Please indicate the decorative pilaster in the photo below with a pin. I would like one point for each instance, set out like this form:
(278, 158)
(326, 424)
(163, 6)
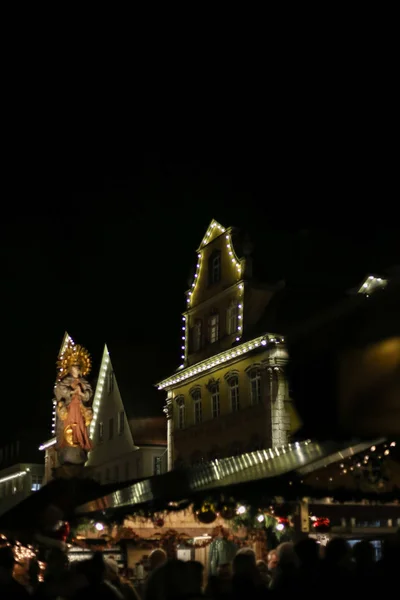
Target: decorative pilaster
(168, 411)
(280, 420)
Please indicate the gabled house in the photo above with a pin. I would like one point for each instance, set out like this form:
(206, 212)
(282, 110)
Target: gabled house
(230, 394)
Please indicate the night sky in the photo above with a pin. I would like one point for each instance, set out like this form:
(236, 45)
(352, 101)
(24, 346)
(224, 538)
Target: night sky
(107, 253)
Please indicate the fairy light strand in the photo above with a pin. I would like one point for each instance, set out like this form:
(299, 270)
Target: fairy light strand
(99, 389)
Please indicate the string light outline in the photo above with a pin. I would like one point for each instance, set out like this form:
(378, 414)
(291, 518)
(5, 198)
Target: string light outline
(217, 359)
(371, 284)
(236, 262)
(99, 389)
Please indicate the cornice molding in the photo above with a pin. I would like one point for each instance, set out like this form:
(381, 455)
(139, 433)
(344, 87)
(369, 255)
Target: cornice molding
(225, 358)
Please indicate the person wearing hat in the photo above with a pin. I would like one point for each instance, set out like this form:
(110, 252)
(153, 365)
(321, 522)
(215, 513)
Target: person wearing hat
(113, 576)
(9, 588)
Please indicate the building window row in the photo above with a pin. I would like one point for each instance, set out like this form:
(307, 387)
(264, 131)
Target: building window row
(234, 396)
(120, 427)
(213, 327)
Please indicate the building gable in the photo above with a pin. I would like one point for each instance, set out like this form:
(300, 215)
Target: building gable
(215, 298)
(109, 430)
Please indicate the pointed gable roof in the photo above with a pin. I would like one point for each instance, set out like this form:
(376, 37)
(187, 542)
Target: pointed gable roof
(99, 388)
(213, 230)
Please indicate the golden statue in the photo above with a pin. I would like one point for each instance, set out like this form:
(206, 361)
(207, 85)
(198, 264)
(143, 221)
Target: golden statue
(73, 394)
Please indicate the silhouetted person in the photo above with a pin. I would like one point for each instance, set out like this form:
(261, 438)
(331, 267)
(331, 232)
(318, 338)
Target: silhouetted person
(307, 552)
(336, 567)
(285, 579)
(246, 580)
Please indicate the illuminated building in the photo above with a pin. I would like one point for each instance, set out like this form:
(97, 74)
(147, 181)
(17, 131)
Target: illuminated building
(230, 394)
(21, 472)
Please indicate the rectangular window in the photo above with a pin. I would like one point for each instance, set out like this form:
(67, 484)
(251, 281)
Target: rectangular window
(116, 473)
(157, 465)
(234, 392)
(111, 382)
(255, 386)
(232, 319)
(100, 432)
(196, 336)
(121, 422)
(111, 429)
(198, 411)
(214, 268)
(213, 328)
(36, 483)
(215, 401)
(181, 416)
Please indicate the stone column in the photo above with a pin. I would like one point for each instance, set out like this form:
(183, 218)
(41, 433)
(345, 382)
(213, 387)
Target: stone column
(280, 420)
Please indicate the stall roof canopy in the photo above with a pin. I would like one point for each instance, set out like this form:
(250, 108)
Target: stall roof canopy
(268, 466)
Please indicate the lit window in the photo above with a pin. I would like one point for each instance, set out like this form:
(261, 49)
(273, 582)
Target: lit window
(181, 412)
(234, 393)
(157, 465)
(121, 422)
(213, 328)
(255, 386)
(232, 319)
(111, 429)
(198, 412)
(215, 401)
(214, 268)
(36, 483)
(196, 333)
(100, 432)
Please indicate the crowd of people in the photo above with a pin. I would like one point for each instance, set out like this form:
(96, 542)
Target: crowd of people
(305, 567)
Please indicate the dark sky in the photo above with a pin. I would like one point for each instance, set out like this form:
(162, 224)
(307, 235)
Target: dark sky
(105, 251)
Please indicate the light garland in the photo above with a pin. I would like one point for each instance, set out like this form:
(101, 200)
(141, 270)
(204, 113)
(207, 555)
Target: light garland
(218, 359)
(214, 226)
(185, 339)
(14, 476)
(48, 444)
(99, 389)
(232, 254)
(240, 312)
(371, 284)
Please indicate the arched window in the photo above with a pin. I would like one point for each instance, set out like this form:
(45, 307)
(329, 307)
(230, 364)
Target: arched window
(232, 318)
(233, 383)
(197, 407)
(213, 327)
(214, 267)
(215, 400)
(180, 401)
